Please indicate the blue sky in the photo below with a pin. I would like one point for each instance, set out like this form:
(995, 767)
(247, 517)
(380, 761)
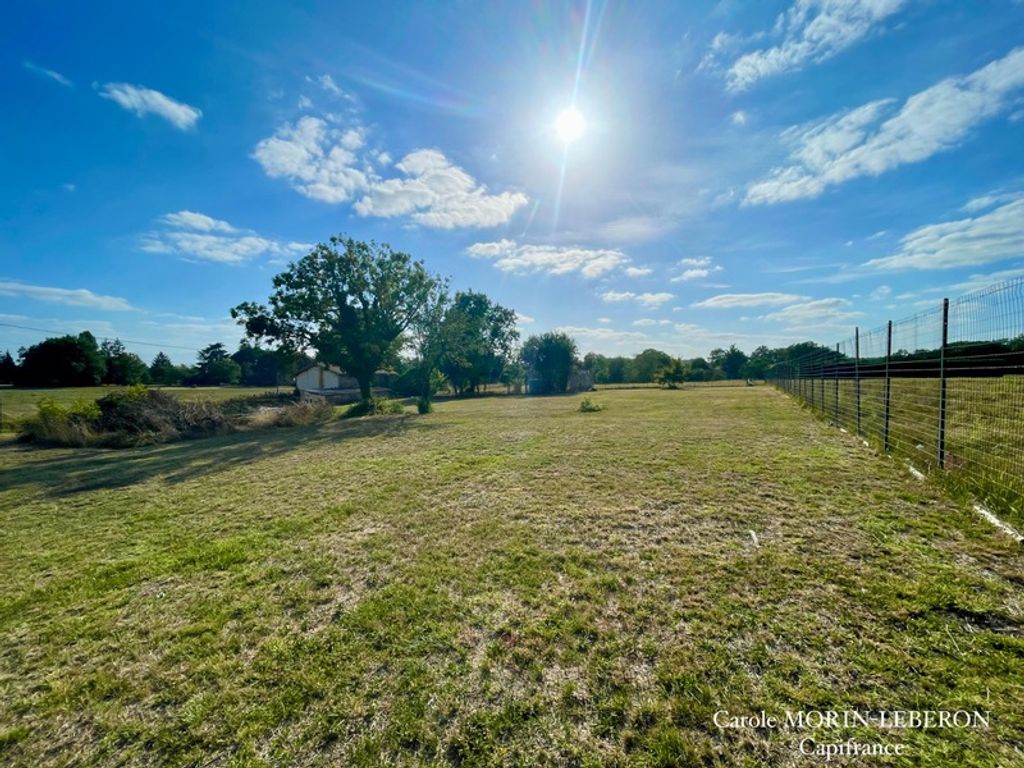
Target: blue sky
(749, 172)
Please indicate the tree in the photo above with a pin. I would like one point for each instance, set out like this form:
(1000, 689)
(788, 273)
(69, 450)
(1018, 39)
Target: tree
(649, 362)
(259, 367)
(598, 366)
(163, 371)
(349, 301)
(550, 359)
(122, 367)
(215, 367)
(479, 337)
(672, 375)
(8, 369)
(732, 362)
(64, 361)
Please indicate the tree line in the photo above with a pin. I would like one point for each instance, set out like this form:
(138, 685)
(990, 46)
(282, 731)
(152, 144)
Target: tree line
(80, 361)
(364, 307)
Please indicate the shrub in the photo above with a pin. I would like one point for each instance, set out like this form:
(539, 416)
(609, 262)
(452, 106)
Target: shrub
(589, 406)
(375, 406)
(300, 414)
(55, 424)
(423, 405)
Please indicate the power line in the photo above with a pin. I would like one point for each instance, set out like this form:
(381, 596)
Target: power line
(104, 338)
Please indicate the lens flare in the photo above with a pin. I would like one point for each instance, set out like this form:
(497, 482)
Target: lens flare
(570, 125)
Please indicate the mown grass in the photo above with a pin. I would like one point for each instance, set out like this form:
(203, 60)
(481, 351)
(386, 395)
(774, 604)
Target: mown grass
(17, 403)
(505, 581)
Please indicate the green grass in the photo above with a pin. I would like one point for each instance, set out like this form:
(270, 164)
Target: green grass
(19, 403)
(505, 581)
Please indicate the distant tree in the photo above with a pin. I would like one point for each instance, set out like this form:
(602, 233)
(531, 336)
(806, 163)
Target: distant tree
(478, 339)
(8, 369)
(550, 358)
(260, 367)
(64, 361)
(699, 370)
(733, 362)
(427, 335)
(163, 371)
(759, 363)
(512, 376)
(122, 367)
(349, 301)
(649, 362)
(619, 370)
(598, 367)
(672, 375)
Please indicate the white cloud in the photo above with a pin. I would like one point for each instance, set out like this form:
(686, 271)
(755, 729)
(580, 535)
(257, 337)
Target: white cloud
(197, 221)
(305, 102)
(815, 314)
(604, 337)
(328, 84)
(198, 236)
(647, 321)
(310, 155)
(74, 297)
(554, 260)
(739, 117)
(983, 202)
(696, 268)
(880, 293)
(634, 229)
(974, 282)
(994, 236)
(323, 163)
(142, 101)
(604, 319)
(637, 271)
(523, 319)
(870, 140)
(438, 194)
(812, 31)
(730, 300)
(57, 77)
(68, 187)
(650, 300)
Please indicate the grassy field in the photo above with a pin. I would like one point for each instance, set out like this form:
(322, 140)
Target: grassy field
(506, 581)
(19, 403)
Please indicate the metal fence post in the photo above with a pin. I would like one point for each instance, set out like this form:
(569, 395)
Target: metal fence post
(942, 384)
(888, 387)
(856, 371)
(835, 369)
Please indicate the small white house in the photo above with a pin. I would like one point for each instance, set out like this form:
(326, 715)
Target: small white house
(320, 378)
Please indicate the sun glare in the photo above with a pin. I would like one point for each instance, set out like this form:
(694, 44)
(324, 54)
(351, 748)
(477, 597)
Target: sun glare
(570, 125)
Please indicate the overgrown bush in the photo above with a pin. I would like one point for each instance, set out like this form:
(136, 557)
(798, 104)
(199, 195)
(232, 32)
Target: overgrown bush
(155, 415)
(293, 414)
(589, 406)
(423, 405)
(375, 406)
(55, 424)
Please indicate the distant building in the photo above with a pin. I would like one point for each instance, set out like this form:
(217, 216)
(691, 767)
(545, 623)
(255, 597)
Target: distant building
(320, 379)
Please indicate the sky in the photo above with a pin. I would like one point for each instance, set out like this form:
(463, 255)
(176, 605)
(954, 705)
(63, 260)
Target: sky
(748, 173)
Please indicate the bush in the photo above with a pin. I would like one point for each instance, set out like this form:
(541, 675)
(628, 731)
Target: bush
(375, 406)
(298, 414)
(589, 406)
(423, 405)
(55, 424)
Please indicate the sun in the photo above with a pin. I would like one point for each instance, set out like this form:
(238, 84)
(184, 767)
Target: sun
(570, 125)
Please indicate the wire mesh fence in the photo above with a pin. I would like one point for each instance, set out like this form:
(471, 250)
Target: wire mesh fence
(943, 389)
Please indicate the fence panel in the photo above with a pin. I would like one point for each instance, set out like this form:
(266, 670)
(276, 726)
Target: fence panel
(944, 389)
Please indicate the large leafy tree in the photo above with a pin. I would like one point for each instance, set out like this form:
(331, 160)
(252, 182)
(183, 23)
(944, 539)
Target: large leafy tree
(550, 359)
(349, 301)
(8, 369)
(65, 361)
(479, 338)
